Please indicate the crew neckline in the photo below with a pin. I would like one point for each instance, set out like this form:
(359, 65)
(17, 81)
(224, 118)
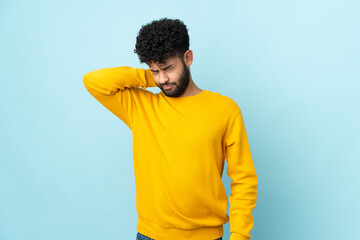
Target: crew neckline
(186, 98)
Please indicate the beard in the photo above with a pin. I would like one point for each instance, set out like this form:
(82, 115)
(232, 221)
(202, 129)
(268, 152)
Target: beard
(179, 88)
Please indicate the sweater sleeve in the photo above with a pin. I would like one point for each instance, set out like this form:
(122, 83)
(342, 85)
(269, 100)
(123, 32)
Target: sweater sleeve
(116, 88)
(244, 180)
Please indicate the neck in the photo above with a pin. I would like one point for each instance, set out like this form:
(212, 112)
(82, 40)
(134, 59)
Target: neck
(191, 90)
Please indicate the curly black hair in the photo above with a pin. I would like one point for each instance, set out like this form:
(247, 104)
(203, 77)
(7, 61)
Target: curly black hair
(161, 39)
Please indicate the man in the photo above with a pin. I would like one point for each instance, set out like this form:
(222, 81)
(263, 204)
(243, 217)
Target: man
(180, 139)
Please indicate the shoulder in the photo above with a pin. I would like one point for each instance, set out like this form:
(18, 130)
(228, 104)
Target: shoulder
(225, 102)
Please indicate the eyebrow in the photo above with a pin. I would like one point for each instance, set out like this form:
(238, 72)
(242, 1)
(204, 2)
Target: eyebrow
(163, 68)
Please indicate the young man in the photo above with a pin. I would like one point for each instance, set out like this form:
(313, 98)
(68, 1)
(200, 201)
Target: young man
(180, 139)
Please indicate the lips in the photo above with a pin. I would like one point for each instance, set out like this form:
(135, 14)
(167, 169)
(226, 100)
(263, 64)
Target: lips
(168, 86)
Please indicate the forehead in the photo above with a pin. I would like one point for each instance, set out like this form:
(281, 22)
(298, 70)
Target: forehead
(163, 63)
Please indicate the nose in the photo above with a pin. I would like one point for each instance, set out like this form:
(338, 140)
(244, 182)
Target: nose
(163, 78)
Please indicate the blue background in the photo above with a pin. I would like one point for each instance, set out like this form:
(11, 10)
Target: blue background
(66, 168)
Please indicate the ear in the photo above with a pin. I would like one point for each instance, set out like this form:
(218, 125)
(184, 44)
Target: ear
(188, 57)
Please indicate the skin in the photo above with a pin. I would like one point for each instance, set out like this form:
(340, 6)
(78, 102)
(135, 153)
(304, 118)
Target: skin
(177, 72)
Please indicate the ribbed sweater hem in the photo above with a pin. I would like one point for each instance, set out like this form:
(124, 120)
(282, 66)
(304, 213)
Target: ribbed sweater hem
(157, 232)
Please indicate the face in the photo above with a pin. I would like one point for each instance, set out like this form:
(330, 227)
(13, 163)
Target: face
(172, 77)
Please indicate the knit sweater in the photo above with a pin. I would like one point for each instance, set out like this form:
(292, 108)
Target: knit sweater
(179, 148)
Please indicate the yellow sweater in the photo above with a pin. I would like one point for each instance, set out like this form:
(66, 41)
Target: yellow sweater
(179, 147)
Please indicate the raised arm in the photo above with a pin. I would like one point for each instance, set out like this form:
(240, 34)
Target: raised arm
(115, 88)
(244, 179)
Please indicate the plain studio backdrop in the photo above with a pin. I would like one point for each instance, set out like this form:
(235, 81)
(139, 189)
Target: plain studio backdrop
(66, 167)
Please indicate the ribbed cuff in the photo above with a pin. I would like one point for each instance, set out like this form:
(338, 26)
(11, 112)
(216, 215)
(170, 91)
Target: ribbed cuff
(150, 82)
(237, 236)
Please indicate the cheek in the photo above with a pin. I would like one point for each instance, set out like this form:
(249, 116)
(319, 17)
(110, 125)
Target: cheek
(156, 78)
(174, 76)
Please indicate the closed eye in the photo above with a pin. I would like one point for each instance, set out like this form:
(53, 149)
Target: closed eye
(168, 67)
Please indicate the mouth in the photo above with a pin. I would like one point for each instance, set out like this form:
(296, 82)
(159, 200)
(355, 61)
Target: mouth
(169, 86)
